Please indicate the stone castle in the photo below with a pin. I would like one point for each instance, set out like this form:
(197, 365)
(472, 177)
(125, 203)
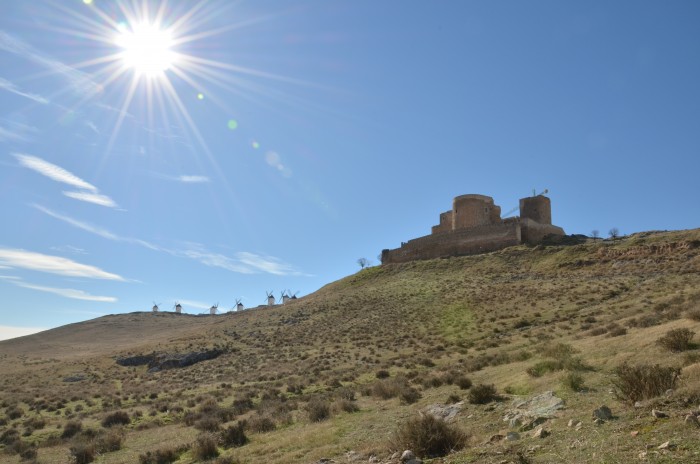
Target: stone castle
(474, 225)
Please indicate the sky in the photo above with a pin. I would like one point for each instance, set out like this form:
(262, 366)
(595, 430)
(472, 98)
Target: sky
(205, 152)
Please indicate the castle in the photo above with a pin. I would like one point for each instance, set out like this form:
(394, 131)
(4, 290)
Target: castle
(474, 225)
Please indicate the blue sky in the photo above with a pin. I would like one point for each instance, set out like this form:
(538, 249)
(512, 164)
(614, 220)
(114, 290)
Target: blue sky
(287, 139)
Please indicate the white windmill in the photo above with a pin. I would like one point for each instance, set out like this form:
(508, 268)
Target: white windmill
(270, 299)
(155, 307)
(239, 305)
(284, 296)
(214, 309)
(178, 308)
(293, 296)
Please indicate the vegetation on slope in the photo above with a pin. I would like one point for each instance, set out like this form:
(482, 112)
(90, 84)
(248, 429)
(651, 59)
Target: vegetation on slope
(347, 367)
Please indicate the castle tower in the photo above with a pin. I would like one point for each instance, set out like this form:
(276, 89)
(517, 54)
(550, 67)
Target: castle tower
(538, 208)
(473, 211)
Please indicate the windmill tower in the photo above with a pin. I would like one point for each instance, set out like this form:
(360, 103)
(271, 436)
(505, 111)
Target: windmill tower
(155, 307)
(284, 296)
(293, 295)
(270, 299)
(239, 305)
(178, 308)
(214, 309)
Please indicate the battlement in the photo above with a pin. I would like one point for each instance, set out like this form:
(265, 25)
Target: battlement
(474, 225)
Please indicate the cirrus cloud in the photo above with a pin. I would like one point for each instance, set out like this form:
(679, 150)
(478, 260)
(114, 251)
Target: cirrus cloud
(18, 258)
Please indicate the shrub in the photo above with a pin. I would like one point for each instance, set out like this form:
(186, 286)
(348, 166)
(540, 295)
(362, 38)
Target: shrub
(408, 394)
(9, 436)
(464, 382)
(346, 405)
(382, 374)
(83, 452)
(208, 424)
(677, 339)
(234, 436)
(205, 447)
(693, 315)
(634, 383)
(161, 456)
(482, 394)
(319, 410)
(543, 367)
(110, 441)
(573, 381)
(71, 429)
(261, 424)
(429, 437)
(116, 418)
(14, 413)
(616, 330)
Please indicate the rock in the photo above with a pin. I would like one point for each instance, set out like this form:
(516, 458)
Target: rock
(533, 411)
(395, 456)
(667, 445)
(75, 378)
(495, 438)
(638, 404)
(445, 413)
(174, 361)
(599, 422)
(692, 419)
(603, 413)
(373, 460)
(407, 455)
(139, 360)
(634, 433)
(574, 423)
(353, 456)
(658, 414)
(512, 436)
(325, 461)
(541, 432)
(642, 455)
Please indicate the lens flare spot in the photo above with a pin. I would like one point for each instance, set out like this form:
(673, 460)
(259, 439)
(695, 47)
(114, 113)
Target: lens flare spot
(87, 2)
(232, 124)
(200, 96)
(255, 144)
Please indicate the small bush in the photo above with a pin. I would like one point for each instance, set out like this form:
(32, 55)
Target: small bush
(544, 367)
(261, 424)
(71, 429)
(634, 383)
(573, 381)
(14, 413)
(482, 394)
(116, 418)
(205, 447)
(616, 330)
(161, 456)
(83, 452)
(110, 441)
(429, 437)
(677, 340)
(693, 315)
(208, 424)
(408, 394)
(346, 405)
(319, 410)
(464, 382)
(234, 436)
(382, 374)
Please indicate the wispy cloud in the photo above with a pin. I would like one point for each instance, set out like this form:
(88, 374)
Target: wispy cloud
(7, 332)
(64, 292)
(193, 179)
(70, 249)
(10, 87)
(58, 174)
(80, 82)
(53, 172)
(7, 134)
(96, 198)
(12, 130)
(18, 258)
(193, 304)
(243, 262)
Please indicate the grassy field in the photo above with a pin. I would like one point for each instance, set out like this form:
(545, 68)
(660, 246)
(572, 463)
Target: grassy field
(338, 373)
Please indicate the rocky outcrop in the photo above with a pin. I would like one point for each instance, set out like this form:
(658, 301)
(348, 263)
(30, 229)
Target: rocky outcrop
(157, 362)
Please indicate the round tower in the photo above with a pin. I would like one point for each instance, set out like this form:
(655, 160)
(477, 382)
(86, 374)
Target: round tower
(474, 210)
(538, 208)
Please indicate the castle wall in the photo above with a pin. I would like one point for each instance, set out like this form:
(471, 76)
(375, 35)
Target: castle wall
(480, 239)
(445, 223)
(533, 232)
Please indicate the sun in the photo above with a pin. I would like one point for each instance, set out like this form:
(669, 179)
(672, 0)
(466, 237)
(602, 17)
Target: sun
(146, 48)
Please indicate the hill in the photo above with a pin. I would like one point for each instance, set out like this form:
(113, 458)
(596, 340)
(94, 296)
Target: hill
(338, 373)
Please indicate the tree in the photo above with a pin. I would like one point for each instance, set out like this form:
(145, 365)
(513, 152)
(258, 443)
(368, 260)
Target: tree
(614, 233)
(363, 262)
(595, 233)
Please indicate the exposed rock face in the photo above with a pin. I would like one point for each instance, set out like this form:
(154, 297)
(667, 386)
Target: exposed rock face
(445, 413)
(162, 361)
(527, 414)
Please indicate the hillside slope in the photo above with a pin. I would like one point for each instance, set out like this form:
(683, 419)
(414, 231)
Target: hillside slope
(427, 324)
